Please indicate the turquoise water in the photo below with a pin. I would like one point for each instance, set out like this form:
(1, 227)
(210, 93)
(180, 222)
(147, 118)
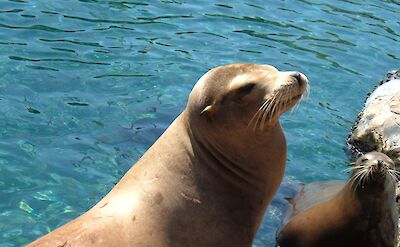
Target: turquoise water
(87, 86)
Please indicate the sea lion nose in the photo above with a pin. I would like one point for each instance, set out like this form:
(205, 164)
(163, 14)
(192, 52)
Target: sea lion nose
(300, 78)
(296, 75)
(380, 164)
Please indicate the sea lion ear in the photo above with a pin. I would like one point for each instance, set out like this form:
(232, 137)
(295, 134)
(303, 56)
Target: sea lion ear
(207, 110)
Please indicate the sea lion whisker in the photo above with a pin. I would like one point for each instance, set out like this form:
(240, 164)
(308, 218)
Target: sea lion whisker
(396, 174)
(306, 93)
(351, 183)
(353, 168)
(362, 170)
(295, 107)
(257, 114)
(394, 178)
(394, 171)
(358, 180)
(360, 176)
(256, 119)
(253, 118)
(264, 114)
(259, 110)
(371, 172)
(267, 112)
(272, 111)
(393, 174)
(287, 100)
(280, 104)
(355, 179)
(357, 176)
(364, 179)
(304, 97)
(356, 170)
(355, 182)
(278, 101)
(360, 166)
(351, 180)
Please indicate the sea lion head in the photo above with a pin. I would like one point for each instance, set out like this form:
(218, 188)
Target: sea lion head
(237, 98)
(373, 170)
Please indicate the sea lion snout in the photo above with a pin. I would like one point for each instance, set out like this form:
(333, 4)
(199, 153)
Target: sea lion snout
(293, 81)
(379, 166)
(301, 79)
(296, 75)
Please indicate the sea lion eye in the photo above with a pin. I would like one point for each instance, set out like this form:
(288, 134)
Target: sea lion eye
(364, 160)
(247, 88)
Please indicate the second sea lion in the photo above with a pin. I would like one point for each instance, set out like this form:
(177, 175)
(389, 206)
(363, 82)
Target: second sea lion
(358, 213)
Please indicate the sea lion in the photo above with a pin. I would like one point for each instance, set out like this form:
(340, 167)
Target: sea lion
(358, 213)
(209, 178)
(378, 125)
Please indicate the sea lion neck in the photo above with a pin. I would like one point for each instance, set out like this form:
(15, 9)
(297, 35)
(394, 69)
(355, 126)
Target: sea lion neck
(377, 207)
(241, 155)
(383, 191)
(372, 201)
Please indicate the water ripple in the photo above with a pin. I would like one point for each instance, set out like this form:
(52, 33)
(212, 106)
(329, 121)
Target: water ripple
(41, 68)
(11, 11)
(165, 17)
(19, 1)
(122, 75)
(72, 41)
(260, 20)
(357, 13)
(11, 43)
(55, 60)
(49, 12)
(207, 33)
(116, 21)
(114, 27)
(41, 28)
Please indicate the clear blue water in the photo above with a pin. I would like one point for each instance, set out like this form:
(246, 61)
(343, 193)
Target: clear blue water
(87, 86)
